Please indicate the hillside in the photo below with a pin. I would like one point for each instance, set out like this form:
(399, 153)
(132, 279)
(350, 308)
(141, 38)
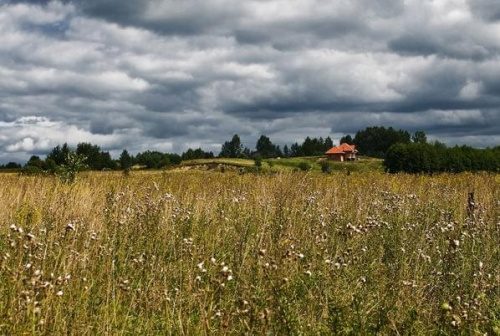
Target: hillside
(312, 163)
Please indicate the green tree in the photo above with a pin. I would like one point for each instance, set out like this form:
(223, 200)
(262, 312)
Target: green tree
(286, 151)
(233, 148)
(375, 141)
(419, 137)
(329, 144)
(59, 154)
(35, 161)
(194, 154)
(346, 139)
(96, 159)
(68, 171)
(126, 161)
(266, 149)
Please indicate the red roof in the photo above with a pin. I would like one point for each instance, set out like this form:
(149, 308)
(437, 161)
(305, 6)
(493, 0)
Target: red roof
(347, 148)
(342, 149)
(335, 150)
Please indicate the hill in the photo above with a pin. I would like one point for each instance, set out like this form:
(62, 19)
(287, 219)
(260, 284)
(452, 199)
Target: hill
(312, 163)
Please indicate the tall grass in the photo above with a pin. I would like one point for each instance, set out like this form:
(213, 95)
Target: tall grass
(209, 253)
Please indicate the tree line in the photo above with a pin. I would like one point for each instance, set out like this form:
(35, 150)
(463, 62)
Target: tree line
(265, 148)
(93, 158)
(436, 158)
(401, 150)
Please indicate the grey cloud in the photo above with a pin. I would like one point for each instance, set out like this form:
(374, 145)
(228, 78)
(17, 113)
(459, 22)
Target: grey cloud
(167, 74)
(486, 9)
(166, 17)
(452, 46)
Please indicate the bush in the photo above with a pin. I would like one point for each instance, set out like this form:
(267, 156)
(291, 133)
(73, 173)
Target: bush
(304, 166)
(74, 164)
(258, 161)
(326, 167)
(31, 170)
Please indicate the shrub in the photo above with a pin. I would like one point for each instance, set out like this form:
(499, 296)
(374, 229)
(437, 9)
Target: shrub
(74, 164)
(304, 166)
(32, 170)
(258, 161)
(326, 167)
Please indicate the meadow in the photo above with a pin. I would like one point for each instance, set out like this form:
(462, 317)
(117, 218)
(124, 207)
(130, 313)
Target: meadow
(287, 253)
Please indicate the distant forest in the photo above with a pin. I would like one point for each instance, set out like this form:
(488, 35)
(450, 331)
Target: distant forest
(401, 151)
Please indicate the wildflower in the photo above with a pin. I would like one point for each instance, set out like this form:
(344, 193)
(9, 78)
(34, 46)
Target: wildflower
(446, 306)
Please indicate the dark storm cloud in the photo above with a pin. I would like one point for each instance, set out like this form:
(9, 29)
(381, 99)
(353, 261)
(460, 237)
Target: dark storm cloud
(486, 9)
(166, 17)
(169, 74)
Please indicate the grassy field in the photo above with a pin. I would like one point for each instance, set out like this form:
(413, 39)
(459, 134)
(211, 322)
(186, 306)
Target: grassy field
(202, 253)
(288, 164)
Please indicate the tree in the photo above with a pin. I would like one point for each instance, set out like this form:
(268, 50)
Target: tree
(34, 161)
(126, 161)
(329, 143)
(266, 149)
(74, 164)
(432, 158)
(153, 159)
(96, 159)
(195, 154)
(11, 165)
(233, 148)
(419, 137)
(286, 151)
(346, 139)
(247, 153)
(375, 141)
(296, 150)
(59, 154)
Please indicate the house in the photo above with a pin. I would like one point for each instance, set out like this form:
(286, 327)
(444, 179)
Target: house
(344, 152)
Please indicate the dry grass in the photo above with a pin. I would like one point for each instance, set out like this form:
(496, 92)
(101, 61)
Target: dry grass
(207, 253)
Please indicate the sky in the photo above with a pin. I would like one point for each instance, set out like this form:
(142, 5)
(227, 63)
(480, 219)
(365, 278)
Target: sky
(172, 74)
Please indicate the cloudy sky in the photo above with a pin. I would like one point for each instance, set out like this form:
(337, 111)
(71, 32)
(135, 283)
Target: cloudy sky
(172, 74)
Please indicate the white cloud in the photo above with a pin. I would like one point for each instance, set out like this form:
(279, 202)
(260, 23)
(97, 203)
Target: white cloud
(172, 74)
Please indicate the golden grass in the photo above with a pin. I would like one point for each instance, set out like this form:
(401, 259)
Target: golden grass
(210, 253)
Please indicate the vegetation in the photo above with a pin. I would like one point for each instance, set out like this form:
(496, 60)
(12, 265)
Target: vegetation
(266, 149)
(208, 253)
(232, 149)
(375, 141)
(11, 165)
(435, 158)
(402, 151)
(198, 153)
(311, 147)
(156, 160)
